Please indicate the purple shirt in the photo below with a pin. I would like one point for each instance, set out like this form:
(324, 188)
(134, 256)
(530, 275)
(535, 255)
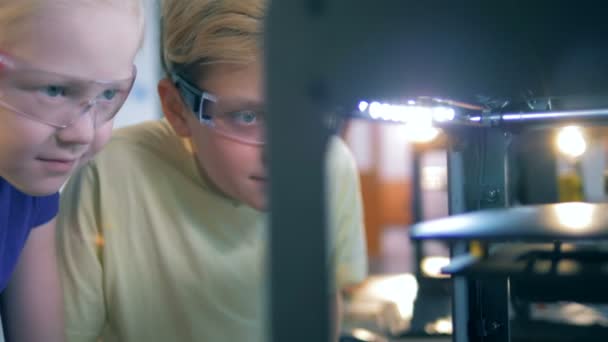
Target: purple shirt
(19, 213)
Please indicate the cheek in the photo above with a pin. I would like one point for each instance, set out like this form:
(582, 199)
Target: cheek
(218, 159)
(226, 160)
(23, 137)
(102, 136)
(21, 141)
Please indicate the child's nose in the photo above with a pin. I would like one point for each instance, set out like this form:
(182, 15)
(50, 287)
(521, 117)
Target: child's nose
(80, 132)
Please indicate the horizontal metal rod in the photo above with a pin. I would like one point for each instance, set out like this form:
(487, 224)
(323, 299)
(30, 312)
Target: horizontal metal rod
(546, 117)
(533, 119)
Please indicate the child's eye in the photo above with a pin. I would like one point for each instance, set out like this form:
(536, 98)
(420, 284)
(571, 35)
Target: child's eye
(109, 94)
(245, 117)
(54, 90)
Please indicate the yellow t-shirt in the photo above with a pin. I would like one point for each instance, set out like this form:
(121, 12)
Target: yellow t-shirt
(149, 252)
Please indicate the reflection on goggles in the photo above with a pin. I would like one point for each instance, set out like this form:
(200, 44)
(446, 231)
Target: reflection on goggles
(59, 100)
(246, 125)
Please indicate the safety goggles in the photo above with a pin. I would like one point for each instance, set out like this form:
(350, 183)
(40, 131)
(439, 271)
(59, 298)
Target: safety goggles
(243, 125)
(56, 99)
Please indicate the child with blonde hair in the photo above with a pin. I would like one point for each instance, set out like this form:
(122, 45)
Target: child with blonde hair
(66, 67)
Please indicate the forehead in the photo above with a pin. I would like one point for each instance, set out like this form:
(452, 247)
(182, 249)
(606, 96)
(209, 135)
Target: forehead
(83, 40)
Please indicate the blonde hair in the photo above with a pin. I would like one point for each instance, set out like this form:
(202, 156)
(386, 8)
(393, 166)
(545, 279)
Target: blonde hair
(199, 33)
(15, 12)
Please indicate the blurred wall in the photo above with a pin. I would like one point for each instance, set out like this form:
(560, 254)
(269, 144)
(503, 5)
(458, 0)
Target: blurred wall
(384, 161)
(143, 103)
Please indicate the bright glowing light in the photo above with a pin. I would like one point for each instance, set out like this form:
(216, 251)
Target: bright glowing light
(431, 266)
(420, 130)
(574, 216)
(365, 335)
(440, 326)
(394, 113)
(422, 136)
(443, 114)
(375, 109)
(418, 120)
(401, 289)
(406, 113)
(363, 106)
(571, 142)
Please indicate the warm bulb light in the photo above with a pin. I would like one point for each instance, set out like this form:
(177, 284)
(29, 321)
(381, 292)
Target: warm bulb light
(571, 142)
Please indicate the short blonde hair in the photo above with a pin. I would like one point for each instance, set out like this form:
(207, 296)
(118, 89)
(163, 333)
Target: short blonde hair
(199, 33)
(15, 12)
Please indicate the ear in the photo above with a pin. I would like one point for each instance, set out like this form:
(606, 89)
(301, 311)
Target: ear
(173, 107)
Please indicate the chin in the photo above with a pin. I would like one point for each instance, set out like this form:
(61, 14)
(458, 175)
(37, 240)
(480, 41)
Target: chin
(259, 204)
(38, 191)
(42, 188)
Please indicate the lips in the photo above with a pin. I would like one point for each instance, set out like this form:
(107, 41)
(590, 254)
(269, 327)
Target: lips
(57, 165)
(61, 160)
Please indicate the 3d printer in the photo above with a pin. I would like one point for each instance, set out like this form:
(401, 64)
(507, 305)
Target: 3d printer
(522, 66)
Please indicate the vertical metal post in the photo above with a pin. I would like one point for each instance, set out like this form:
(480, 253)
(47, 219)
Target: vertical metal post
(492, 322)
(417, 204)
(299, 291)
(456, 205)
(492, 187)
(478, 172)
(538, 167)
(489, 299)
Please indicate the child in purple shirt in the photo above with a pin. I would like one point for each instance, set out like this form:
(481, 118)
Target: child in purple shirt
(66, 67)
